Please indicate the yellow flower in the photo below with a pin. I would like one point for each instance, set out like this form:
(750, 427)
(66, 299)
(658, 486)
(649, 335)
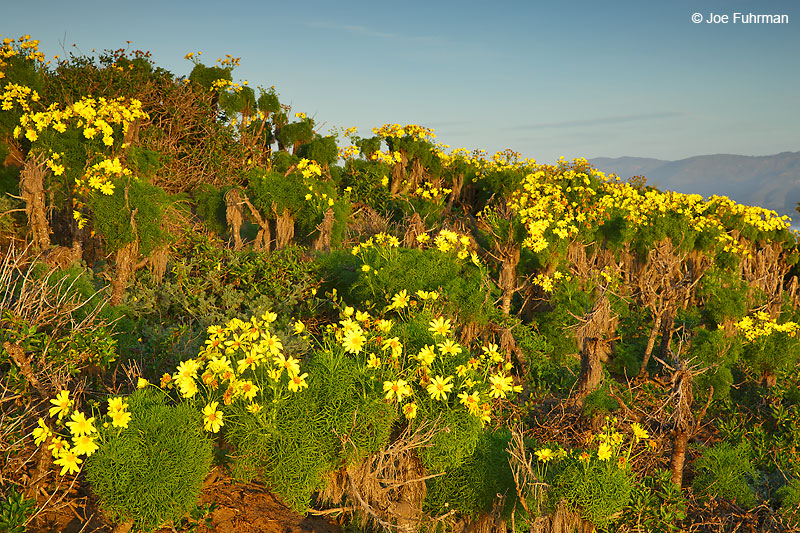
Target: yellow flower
(639, 432)
(439, 387)
(373, 362)
(440, 326)
(449, 347)
(545, 454)
(471, 402)
(400, 300)
(426, 355)
(254, 407)
(57, 446)
(604, 452)
(116, 404)
(68, 461)
(248, 389)
(62, 405)
(41, 433)
(291, 364)
(396, 389)
(297, 383)
(394, 344)
(84, 445)
(353, 341)
(188, 387)
(500, 385)
(212, 419)
(120, 419)
(410, 410)
(299, 327)
(142, 383)
(80, 425)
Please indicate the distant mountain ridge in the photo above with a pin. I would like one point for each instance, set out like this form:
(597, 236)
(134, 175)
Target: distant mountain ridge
(771, 181)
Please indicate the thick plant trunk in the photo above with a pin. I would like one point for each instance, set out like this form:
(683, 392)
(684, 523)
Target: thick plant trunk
(285, 229)
(234, 213)
(325, 228)
(591, 367)
(508, 275)
(32, 191)
(678, 456)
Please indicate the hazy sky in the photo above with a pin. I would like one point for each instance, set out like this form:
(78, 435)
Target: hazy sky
(546, 79)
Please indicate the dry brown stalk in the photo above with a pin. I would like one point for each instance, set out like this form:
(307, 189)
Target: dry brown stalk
(234, 215)
(325, 228)
(386, 487)
(32, 191)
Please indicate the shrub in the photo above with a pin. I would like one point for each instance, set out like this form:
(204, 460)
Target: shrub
(597, 489)
(471, 487)
(724, 471)
(153, 470)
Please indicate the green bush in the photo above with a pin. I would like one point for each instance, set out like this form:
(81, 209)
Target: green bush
(656, 505)
(471, 487)
(789, 496)
(725, 471)
(332, 424)
(151, 472)
(597, 489)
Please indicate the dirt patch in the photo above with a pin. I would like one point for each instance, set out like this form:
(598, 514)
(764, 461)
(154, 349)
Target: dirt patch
(251, 508)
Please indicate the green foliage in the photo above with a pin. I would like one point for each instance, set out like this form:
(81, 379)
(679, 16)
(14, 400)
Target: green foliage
(719, 353)
(772, 354)
(332, 424)
(473, 486)
(724, 295)
(789, 496)
(211, 208)
(205, 76)
(15, 510)
(597, 489)
(143, 163)
(599, 402)
(323, 150)
(295, 133)
(268, 101)
(458, 435)
(152, 471)
(132, 199)
(725, 471)
(657, 505)
(413, 270)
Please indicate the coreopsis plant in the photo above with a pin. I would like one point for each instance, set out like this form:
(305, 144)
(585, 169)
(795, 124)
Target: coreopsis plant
(82, 436)
(150, 459)
(597, 481)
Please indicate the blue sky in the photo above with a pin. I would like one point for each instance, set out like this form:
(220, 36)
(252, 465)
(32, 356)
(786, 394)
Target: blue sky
(547, 79)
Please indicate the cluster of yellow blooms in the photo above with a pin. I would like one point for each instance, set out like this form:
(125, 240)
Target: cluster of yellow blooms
(559, 199)
(429, 192)
(410, 130)
(22, 47)
(762, 325)
(94, 116)
(17, 94)
(479, 380)
(389, 158)
(309, 168)
(228, 363)
(349, 152)
(98, 176)
(611, 443)
(445, 241)
(67, 453)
